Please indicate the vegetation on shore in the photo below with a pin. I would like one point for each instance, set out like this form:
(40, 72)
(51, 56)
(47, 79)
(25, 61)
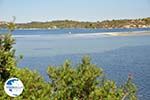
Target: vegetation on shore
(85, 81)
(126, 23)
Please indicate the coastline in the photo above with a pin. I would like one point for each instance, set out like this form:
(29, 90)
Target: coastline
(136, 33)
(85, 35)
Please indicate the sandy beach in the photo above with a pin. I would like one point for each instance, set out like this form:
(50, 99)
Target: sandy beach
(128, 33)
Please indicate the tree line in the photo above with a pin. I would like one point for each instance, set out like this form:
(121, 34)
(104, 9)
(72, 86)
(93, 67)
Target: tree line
(124, 23)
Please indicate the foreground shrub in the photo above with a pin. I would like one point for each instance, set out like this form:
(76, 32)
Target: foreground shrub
(86, 82)
(34, 86)
(7, 58)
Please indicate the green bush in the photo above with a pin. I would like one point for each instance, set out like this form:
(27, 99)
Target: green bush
(7, 58)
(34, 85)
(85, 81)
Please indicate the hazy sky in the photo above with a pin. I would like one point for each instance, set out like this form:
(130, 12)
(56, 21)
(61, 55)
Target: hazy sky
(82, 10)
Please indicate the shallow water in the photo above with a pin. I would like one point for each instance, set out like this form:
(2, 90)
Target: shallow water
(118, 56)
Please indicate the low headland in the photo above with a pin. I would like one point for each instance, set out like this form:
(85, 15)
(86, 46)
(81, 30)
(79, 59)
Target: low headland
(108, 24)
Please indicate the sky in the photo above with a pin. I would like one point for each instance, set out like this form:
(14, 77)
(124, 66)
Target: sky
(80, 10)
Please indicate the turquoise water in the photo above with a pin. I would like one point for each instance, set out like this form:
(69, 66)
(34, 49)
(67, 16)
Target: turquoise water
(118, 56)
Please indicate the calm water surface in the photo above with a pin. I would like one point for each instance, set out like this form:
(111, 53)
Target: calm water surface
(118, 56)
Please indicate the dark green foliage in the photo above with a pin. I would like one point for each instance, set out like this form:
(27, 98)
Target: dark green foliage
(7, 59)
(85, 81)
(34, 85)
(35, 88)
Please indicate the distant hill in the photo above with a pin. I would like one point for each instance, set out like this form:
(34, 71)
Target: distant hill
(126, 23)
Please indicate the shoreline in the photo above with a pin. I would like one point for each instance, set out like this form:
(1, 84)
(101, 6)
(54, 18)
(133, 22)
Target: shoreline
(134, 33)
(84, 35)
(72, 28)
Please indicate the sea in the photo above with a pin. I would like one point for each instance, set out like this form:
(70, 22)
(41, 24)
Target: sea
(119, 56)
